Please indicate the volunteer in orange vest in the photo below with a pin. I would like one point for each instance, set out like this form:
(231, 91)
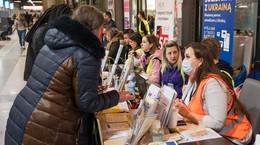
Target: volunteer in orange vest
(209, 97)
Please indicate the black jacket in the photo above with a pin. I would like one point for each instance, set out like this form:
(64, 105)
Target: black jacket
(113, 48)
(33, 49)
(62, 90)
(223, 65)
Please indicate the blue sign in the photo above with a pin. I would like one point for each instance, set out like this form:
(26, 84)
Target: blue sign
(218, 22)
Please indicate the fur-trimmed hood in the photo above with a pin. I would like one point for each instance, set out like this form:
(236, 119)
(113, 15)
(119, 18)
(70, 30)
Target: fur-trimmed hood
(66, 32)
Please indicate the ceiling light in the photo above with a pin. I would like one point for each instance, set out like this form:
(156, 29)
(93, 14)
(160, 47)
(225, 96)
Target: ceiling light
(37, 2)
(243, 6)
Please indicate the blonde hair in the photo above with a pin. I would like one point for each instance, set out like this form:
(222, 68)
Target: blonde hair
(20, 16)
(165, 62)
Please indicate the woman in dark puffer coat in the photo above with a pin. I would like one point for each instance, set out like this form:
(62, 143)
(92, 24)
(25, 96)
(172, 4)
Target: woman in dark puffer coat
(62, 90)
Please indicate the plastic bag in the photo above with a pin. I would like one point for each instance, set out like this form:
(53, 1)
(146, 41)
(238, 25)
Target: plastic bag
(240, 75)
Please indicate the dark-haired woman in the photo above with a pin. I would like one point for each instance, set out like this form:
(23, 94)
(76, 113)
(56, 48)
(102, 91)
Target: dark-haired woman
(150, 61)
(209, 97)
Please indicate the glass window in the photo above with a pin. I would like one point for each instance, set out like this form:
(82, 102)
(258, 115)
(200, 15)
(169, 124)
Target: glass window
(245, 17)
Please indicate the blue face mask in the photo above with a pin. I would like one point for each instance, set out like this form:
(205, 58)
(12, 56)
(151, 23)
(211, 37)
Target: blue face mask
(186, 66)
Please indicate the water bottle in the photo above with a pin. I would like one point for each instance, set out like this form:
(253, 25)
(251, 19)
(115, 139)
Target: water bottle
(132, 70)
(131, 86)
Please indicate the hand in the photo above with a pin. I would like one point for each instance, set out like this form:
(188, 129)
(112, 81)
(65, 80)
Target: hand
(182, 107)
(131, 52)
(125, 96)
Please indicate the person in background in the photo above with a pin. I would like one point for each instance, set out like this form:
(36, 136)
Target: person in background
(14, 16)
(135, 40)
(35, 36)
(27, 18)
(104, 34)
(209, 97)
(143, 27)
(150, 61)
(108, 19)
(127, 46)
(114, 38)
(58, 103)
(20, 25)
(151, 23)
(171, 72)
(35, 18)
(214, 45)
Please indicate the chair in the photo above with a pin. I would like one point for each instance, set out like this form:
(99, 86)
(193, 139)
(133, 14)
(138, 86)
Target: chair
(4, 33)
(250, 100)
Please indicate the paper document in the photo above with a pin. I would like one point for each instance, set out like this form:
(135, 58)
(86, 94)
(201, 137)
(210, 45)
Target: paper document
(165, 105)
(187, 137)
(151, 99)
(124, 74)
(143, 128)
(116, 117)
(117, 126)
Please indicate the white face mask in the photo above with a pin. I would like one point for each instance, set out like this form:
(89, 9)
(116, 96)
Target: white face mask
(186, 66)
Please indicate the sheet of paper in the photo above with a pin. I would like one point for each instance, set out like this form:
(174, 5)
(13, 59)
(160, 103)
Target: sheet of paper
(143, 128)
(116, 141)
(116, 117)
(123, 106)
(187, 137)
(165, 104)
(117, 126)
(144, 75)
(151, 99)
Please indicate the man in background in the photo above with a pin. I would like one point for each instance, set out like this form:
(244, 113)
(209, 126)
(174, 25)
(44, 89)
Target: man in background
(127, 46)
(108, 19)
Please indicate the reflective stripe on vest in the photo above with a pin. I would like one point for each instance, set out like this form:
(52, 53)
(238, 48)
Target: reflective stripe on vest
(236, 126)
(231, 123)
(146, 28)
(232, 80)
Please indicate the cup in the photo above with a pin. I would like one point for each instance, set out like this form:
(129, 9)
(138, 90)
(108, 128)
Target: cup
(157, 135)
(173, 118)
(132, 113)
(105, 75)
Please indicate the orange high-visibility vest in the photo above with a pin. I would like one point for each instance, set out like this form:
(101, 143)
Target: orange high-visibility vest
(236, 126)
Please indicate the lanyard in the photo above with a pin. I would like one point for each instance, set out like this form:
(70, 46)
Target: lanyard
(189, 92)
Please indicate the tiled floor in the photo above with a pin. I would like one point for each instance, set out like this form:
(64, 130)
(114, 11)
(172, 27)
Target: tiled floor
(12, 60)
